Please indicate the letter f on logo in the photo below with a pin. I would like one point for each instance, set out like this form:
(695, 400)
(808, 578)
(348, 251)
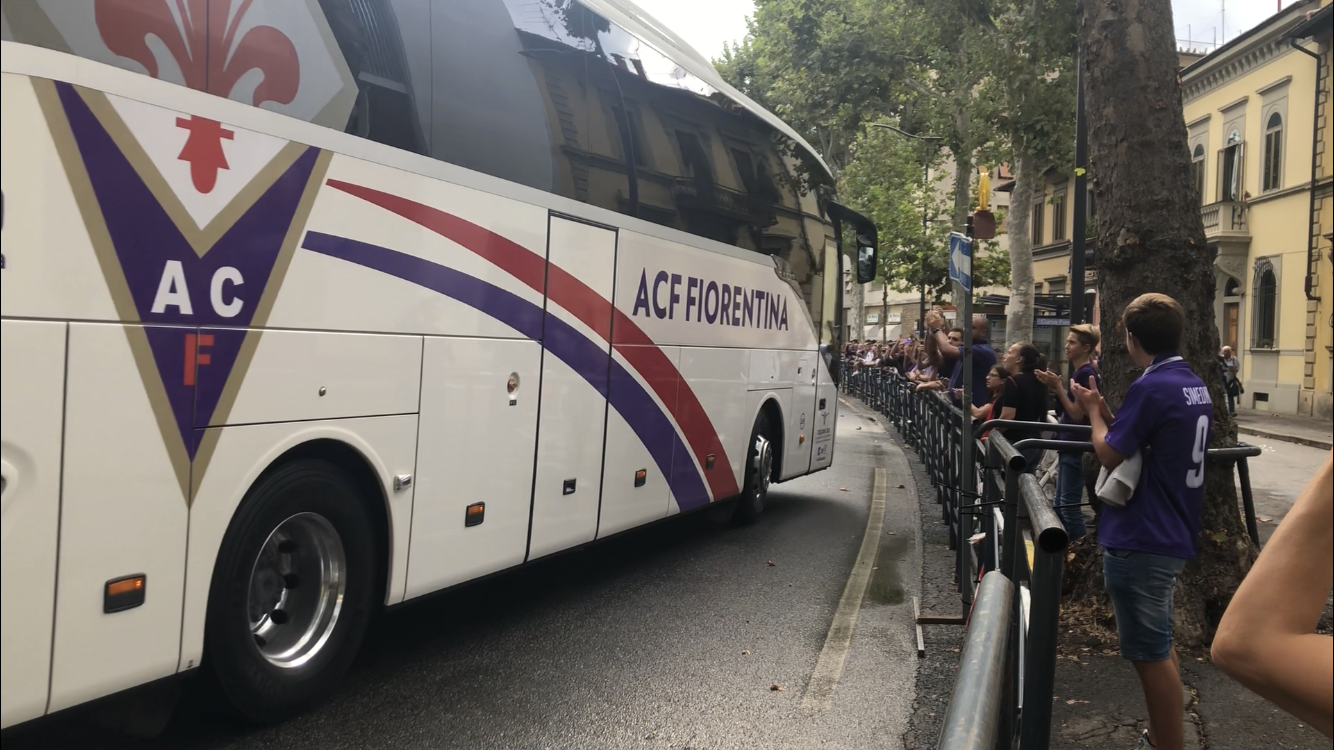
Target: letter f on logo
(195, 357)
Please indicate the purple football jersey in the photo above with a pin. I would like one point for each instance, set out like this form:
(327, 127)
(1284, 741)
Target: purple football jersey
(1166, 415)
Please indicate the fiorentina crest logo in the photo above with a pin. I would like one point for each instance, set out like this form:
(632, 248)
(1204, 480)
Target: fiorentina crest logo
(199, 288)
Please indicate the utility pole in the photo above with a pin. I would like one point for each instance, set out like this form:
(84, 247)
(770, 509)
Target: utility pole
(926, 183)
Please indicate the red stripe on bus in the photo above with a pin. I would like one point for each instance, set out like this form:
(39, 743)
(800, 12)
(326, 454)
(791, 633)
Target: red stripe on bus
(591, 308)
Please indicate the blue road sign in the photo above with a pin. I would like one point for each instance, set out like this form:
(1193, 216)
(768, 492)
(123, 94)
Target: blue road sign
(961, 261)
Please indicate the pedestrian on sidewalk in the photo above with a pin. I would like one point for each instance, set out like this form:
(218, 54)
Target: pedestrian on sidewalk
(1233, 386)
(1024, 398)
(984, 357)
(946, 367)
(996, 380)
(1080, 344)
(1165, 419)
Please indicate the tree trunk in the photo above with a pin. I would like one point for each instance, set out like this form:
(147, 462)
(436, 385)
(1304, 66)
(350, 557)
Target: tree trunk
(856, 308)
(961, 150)
(1151, 239)
(1019, 313)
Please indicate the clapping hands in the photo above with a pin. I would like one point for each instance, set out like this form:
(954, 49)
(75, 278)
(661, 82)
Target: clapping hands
(1089, 398)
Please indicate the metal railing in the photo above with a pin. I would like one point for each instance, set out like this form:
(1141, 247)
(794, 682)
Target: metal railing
(972, 720)
(1006, 534)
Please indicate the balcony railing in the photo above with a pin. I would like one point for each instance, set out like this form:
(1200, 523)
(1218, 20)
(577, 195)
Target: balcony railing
(1225, 219)
(704, 196)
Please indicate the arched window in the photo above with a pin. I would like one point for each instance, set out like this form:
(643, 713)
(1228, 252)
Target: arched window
(1197, 169)
(1273, 173)
(1232, 289)
(1266, 307)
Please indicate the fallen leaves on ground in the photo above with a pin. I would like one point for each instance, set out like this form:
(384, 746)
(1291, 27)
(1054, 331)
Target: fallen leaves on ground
(776, 688)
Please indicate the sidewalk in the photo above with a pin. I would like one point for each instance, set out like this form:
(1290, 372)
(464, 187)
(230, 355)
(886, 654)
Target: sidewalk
(1097, 700)
(1098, 706)
(1292, 428)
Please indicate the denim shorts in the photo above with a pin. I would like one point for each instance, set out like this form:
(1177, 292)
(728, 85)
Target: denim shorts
(1140, 585)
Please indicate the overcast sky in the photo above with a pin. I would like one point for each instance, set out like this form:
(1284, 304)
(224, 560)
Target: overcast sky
(707, 24)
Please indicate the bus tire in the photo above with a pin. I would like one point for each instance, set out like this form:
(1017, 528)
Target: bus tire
(758, 474)
(293, 590)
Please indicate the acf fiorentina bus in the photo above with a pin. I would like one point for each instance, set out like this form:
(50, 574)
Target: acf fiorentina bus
(312, 307)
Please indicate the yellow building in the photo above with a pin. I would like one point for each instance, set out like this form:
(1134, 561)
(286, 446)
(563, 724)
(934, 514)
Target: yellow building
(1260, 140)
(1257, 112)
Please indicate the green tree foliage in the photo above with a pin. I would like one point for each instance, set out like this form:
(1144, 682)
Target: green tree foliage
(886, 181)
(821, 65)
(985, 76)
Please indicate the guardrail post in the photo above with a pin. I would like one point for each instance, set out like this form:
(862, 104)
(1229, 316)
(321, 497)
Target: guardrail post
(972, 720)
(1050, 540)
(1248, 500)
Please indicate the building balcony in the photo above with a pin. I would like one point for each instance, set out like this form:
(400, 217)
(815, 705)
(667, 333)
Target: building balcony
(692, 194)
(1225, 220)
(1226, 229)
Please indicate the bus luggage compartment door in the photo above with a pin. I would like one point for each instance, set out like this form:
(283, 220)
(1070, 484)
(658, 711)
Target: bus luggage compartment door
(572, 417)
(32, 413)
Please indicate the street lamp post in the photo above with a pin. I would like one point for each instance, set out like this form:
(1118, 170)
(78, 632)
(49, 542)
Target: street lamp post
(926, 180)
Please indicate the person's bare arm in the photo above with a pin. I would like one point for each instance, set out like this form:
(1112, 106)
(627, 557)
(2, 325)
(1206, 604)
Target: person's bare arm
(945, 350)
(1099, 417)
(938, 343)
(932, 353)
(1053, 382)
(1069, 406)
(1267, 639)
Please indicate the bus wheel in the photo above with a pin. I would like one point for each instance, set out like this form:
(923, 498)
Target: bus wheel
(292, 590)
(759, 471)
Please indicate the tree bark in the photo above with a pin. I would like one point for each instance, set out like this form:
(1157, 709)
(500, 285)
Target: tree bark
(1019, 312)
(1151, 239)
(856, 307)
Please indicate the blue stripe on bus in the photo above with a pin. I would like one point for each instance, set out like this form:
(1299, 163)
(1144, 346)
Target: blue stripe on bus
(582, 354)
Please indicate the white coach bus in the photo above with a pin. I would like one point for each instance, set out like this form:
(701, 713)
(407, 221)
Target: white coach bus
(312, 307)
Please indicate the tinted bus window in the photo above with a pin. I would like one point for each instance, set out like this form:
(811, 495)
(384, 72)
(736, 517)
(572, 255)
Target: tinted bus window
(544, 93)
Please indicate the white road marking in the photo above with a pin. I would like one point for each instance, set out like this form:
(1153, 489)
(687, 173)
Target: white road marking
(829, 667)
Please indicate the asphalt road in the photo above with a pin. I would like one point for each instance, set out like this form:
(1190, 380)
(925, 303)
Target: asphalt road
(1278, 476)
(674, 636)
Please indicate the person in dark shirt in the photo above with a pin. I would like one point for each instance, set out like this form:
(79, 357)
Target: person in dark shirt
(984, 358)
(1166, 418)
(996, 379)
(1080, 345)
(1024, 398)
(946, 367)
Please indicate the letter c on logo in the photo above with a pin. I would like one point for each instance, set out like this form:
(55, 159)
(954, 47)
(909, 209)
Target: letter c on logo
(232, 308)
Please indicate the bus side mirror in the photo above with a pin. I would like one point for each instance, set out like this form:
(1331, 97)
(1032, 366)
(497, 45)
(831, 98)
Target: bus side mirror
(863, 230)
(866, 260)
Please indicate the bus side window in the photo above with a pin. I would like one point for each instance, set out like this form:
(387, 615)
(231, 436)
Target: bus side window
(378, 41)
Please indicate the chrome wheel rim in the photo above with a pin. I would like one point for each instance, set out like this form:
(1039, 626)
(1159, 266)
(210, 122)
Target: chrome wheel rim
(296, 590)
(764, 464)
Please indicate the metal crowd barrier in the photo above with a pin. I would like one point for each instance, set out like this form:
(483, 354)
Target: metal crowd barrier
(1006, 534)
(973, 718)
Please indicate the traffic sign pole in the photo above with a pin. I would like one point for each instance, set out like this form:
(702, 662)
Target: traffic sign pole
(961, 271)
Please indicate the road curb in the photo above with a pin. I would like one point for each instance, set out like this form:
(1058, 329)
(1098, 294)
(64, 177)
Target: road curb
(1312, 442)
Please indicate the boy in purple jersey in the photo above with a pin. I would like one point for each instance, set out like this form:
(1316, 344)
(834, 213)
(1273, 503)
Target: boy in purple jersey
(1080, 346)
(1166, 417)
